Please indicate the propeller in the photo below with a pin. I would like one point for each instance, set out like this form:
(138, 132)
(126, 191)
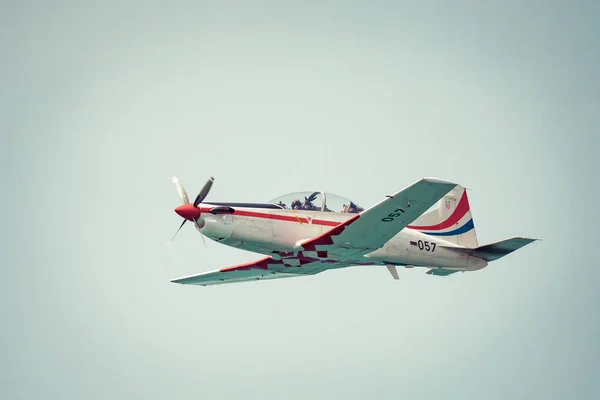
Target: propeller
(189, 211)
(181, 191)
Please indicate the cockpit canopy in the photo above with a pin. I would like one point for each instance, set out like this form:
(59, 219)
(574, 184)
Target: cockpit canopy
(316, 201)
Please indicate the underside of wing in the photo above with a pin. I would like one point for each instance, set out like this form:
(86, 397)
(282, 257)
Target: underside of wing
(372, 228)
(265, 268)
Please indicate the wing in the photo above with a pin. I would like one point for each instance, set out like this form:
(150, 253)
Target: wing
(219, 277)
(372, 228)
(265, 268)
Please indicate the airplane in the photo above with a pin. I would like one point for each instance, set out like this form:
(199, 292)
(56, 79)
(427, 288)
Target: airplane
(307, 233)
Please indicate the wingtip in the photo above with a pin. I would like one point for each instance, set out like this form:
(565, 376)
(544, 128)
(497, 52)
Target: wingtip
(180, 280)
(438, 180)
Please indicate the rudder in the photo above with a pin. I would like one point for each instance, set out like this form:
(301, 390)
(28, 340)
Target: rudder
(451, 220)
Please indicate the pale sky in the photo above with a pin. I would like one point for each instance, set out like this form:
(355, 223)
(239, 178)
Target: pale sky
(102, 103)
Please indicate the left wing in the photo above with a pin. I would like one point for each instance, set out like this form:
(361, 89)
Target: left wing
(372, 228)
(265, 268)
(219, 277)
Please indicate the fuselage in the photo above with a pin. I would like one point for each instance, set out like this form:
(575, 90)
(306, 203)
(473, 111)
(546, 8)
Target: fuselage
(268, 229)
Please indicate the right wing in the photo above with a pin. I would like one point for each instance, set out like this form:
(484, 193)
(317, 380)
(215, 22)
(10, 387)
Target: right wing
(372, 228)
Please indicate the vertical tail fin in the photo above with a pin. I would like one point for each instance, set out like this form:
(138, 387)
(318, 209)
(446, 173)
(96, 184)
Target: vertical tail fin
(451, 221)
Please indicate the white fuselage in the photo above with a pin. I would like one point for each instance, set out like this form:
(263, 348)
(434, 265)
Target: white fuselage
(268, 231)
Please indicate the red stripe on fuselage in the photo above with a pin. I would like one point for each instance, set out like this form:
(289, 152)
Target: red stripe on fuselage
(461, 209)
(289, 218)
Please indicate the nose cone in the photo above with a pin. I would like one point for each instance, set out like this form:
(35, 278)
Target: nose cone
(188, 211)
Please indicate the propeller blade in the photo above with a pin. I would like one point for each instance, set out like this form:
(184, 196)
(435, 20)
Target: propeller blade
(182, 194)
(180, 226)
(204, 191)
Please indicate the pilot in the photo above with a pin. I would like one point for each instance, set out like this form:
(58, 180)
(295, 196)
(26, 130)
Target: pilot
(308, 205)
(354, 208)
(296, 205)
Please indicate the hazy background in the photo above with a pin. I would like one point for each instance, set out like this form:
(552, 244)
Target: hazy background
(100, 104)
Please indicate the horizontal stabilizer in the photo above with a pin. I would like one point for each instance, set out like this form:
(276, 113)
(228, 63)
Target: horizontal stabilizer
(441, 272)
(494, 251)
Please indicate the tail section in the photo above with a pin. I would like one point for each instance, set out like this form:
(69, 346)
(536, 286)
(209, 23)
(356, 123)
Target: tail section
(451, 221)
(494, 251)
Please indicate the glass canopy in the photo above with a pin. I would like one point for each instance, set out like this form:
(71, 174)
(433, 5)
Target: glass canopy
(316, 201)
